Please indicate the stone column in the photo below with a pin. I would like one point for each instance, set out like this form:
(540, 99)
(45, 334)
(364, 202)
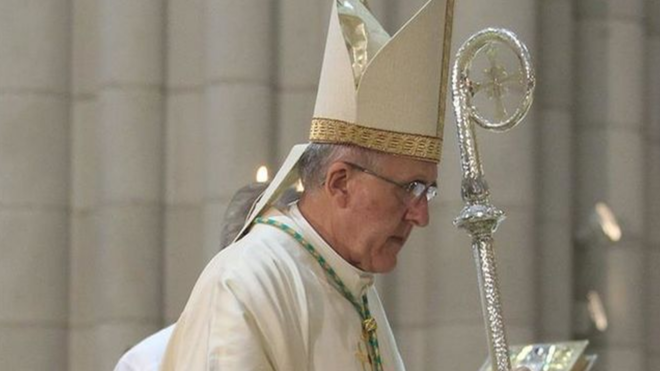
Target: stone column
(302, 28)
(652, 129)
(130, 135)
(84, 185)
(436, 305)
(34, 180)
(408, 291)
(239, 119)
(610, 167)
(184, 153)
(554, 103)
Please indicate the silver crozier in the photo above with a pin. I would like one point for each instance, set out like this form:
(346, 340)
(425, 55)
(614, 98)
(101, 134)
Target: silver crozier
(479, 217)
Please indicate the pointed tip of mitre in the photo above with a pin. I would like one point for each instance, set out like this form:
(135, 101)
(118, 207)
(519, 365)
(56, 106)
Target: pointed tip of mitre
(336, 92)
(398, 104)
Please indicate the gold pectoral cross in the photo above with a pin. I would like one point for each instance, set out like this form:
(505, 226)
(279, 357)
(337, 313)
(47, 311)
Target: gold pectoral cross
(369, 326)
(363, 356)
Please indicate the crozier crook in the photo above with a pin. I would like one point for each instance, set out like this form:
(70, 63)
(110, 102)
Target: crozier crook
(479, 217)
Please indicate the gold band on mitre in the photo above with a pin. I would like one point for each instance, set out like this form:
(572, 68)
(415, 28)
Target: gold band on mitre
(417, 146)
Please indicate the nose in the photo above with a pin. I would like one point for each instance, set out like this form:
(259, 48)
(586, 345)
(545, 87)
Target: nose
(418, 212)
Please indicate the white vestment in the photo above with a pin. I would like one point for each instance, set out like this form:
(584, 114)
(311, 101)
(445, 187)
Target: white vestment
(147, 354)
(265, 303)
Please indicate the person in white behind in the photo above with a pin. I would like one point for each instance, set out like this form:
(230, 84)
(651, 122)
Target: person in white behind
(147, 354)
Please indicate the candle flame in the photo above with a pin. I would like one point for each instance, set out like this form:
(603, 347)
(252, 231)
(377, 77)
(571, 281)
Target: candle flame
(608, 222)
(597, 310)
(262, 174)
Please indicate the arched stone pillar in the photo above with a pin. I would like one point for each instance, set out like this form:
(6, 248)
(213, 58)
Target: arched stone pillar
(238, 114)
(130, 134)
(610, 157)
(184, 154)
(302, 27)
(652, 167)
(34, 180)
(554, 136)
(84, 184)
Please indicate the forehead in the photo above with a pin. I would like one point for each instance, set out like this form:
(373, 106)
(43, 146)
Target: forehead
(408, 168)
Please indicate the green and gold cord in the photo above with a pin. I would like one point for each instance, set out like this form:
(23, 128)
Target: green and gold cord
(369, 325)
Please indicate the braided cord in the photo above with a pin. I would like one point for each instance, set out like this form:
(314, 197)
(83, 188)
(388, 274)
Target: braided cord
(369, 325)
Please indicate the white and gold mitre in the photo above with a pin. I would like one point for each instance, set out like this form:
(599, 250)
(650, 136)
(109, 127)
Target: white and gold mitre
(382, 93)
(377, 92)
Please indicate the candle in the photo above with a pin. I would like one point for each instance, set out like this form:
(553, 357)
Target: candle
(608, 222)
(262, 174)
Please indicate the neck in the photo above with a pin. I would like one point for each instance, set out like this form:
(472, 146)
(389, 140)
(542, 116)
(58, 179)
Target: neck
(316, 213)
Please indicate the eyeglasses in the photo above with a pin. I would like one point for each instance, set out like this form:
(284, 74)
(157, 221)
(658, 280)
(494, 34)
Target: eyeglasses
(414, 190)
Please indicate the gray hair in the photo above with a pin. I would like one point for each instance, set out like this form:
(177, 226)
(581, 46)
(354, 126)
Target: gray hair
(318, 157)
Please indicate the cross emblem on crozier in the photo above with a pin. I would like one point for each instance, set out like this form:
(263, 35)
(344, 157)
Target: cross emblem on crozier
(498, 81)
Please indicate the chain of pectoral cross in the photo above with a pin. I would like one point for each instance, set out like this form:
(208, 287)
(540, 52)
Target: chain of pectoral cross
(369, 325)
(363, 356)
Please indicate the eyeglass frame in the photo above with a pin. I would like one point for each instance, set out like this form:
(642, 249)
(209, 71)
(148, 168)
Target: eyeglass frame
(409, 187)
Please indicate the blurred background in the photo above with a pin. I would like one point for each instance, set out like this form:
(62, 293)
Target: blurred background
(127, 125)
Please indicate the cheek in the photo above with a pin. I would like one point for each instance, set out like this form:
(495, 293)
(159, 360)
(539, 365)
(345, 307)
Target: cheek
(376, 216)
(372, 211)
(379, 222)
(379, 205)
(373, 219)
(385, 214)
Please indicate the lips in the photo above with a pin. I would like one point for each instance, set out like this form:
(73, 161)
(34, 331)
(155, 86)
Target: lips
(401, 237)
(398, 239)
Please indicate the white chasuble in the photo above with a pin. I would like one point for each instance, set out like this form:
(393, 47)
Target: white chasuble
(265, 303)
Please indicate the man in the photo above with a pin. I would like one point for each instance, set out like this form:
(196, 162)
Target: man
(364, 203)
(295, 291)
(147, 354)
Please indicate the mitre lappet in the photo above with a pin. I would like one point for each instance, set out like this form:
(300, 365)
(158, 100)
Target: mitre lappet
(376, 91)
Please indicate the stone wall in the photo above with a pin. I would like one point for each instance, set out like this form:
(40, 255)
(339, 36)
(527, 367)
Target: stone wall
(126, 126)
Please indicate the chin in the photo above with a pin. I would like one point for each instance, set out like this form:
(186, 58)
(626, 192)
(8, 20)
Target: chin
(385, 266)
(386, 262)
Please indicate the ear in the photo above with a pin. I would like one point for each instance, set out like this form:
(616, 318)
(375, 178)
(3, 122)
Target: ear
(336, 183)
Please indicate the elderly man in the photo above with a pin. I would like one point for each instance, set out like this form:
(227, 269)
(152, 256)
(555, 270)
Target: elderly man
(295, 291)
(363, 203)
